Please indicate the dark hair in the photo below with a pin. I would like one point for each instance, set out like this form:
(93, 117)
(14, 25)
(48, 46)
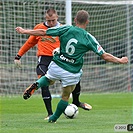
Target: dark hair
(82, 16)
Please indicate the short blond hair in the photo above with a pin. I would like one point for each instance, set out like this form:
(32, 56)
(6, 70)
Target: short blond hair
(51, 11)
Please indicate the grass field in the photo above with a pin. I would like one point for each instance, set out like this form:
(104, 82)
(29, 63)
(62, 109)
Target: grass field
(20, 116)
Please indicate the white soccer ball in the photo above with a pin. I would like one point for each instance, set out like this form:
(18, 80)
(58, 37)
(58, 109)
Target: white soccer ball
(71, 111)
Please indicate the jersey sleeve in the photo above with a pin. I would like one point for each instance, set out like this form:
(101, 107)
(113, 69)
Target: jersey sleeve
(58, 31)
(31, 42)
(94, 45)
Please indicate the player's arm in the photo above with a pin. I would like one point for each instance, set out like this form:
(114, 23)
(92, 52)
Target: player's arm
(37, 32)
(96, 47)
(31, 42)
(110, 58)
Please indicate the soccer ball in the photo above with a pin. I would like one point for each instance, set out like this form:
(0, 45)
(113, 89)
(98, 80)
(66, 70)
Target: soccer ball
(71, 111)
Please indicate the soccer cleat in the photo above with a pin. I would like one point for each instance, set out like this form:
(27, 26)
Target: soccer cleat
(47, 117)
(85, 106)
(51, 119)
(29, 91)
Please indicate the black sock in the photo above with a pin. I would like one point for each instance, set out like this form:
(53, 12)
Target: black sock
(75, 94)
(47, 99)
(48, 106)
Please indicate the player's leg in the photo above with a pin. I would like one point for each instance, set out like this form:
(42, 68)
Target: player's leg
(68, 80)
(42, 82)
(62, 104)
(46, 95)
(76, 94)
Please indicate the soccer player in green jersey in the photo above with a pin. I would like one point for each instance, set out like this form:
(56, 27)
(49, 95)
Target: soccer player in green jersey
(66, 66)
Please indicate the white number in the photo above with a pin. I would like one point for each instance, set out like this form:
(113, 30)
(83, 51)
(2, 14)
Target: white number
(70, 49)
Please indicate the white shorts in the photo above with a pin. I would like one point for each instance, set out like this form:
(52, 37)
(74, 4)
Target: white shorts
(57, 73)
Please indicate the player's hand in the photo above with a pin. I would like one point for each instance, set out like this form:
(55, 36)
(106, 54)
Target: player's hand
(56, 51)
(20, 30)
(17, 61)
(124, 60)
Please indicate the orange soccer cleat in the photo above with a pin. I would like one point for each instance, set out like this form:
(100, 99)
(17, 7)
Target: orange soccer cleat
(29, 91)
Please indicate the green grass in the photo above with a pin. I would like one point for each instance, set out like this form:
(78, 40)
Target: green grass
(20, 116)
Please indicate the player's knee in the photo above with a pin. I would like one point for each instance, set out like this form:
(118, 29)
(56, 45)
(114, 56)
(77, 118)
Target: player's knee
(65, 97)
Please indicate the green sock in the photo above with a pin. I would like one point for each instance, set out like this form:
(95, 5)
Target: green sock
(43, 81)
(59, 110)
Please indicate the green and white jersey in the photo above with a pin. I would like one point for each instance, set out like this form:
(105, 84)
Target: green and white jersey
(74, 43)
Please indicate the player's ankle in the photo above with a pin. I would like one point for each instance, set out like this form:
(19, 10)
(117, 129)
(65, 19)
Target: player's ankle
(76, 103)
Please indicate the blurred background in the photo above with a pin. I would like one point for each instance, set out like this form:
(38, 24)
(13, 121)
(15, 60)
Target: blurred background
(111, 22)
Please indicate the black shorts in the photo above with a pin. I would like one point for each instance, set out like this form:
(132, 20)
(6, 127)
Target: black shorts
(43, 63)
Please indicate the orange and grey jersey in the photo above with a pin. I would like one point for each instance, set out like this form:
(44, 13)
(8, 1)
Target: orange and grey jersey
(45, 44)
